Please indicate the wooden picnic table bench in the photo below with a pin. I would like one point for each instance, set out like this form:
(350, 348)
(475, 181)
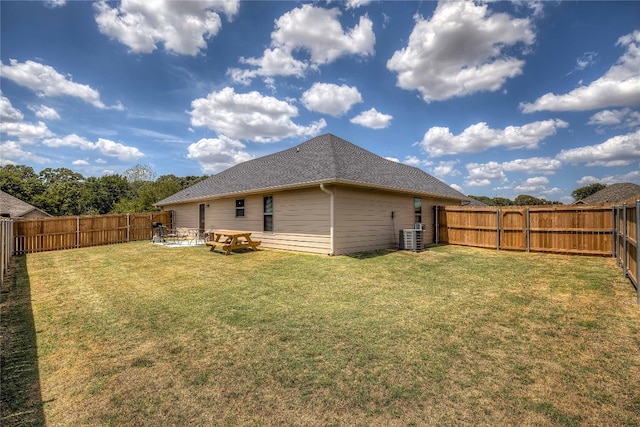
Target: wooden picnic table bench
(230, 240)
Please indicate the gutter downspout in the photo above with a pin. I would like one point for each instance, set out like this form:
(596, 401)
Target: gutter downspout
(332, 217)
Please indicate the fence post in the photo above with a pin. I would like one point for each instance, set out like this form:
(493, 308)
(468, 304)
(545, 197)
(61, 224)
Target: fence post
(498, 229)
(528, 230)
(128, 229)
(77, 231)
(437, 230)
(638, 251)
(624, 240)
(618, 254)
(614, 249)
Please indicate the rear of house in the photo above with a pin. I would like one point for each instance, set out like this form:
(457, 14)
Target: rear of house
(324, 196)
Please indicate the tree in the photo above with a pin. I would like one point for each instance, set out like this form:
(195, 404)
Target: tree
(63, 192)
(526, 200)
(100, 195)
(582, 192)
(502, 201)
(140, 173)
(484, 199)
(22, 182)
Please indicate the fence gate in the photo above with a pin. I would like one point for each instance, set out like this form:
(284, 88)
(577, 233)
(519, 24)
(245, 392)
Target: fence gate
(513, 229)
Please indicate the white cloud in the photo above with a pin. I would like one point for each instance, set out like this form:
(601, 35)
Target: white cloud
(44, 112)
(46, 81)
(183, 27)
(216, 154)
(633, 176)
(7, 112)
(12, 150)
(354, 4)
(12, 124)
(619, 150)
(462, 49)
(485, 173)
(249, 116)
(331, 99)
(80, 162)
(71, 141)
(447, 168)
(274, 61)
(55, 3)
(480, 182)
(25, 131)
(372, 119)
(106, 147)
(545, 165)
(415, 161)
(457, 188)
(533, 185)
(313, 30)
(481, 174)
(439, 141)
(123, 152)
(393, 159)
(624, 117)
(618, 87)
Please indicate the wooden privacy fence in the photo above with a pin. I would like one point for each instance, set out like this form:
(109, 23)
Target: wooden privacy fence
(626, 236)
(50, 234)
(577, 229)
(6, 246)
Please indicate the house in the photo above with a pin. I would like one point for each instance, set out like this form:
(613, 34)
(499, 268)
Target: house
(15, 208)
(325, 195)
(614, 193)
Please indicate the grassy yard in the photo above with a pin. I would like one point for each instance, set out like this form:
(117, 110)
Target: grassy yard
(137, 334)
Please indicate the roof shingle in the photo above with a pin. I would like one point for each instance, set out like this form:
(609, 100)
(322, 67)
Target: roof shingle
(15, 207)
(613, 193)
(323, 159)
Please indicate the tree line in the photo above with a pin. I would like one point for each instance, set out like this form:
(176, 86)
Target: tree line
(526, 200)
(61, 191)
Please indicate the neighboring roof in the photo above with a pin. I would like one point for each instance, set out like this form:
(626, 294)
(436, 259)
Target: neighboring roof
(613, 193)
(324, 159)
(474, 202)
(15, 207)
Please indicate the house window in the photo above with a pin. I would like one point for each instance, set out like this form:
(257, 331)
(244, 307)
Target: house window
(417, 209)
(239, 208)
(268, 213)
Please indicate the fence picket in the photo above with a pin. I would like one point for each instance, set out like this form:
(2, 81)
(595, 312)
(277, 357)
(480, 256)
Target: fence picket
(57, 233)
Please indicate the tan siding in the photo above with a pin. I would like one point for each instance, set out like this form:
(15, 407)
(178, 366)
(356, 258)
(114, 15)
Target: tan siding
(301, 219)
(363, 219)
(185, 216)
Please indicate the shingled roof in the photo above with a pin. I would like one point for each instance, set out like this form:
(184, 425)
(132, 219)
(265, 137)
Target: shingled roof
(325, 159)
(613, 193)
(17, 208)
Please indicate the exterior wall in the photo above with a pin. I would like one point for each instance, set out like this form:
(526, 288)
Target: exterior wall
(300, 218)
(364, 223)
(36, 213)
(363, 219)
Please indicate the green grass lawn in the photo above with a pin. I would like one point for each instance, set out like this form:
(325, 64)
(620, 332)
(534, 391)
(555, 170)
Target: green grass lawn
(139, 334)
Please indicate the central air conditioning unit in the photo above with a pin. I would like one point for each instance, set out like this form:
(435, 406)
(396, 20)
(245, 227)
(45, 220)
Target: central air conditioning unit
(411, 239)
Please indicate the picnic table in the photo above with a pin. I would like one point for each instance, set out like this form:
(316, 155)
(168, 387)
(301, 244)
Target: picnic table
(230, 240)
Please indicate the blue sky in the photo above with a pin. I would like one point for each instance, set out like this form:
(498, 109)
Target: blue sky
(495, 98)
